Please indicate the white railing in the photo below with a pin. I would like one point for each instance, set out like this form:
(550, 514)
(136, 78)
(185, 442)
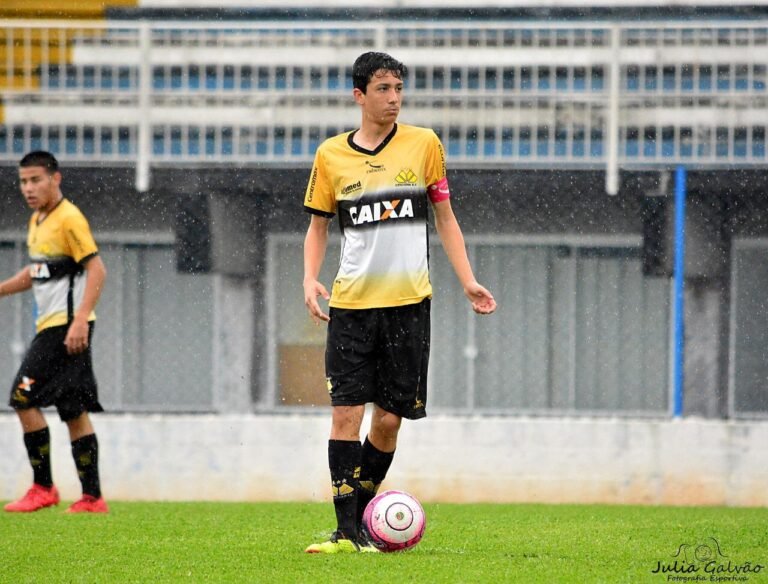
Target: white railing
(498, 93)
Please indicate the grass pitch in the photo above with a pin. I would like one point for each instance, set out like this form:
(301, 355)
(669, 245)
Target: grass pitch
(264, 542)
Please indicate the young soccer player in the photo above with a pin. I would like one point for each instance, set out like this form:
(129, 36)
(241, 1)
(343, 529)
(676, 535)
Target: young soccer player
(67, 276)
(379, 180)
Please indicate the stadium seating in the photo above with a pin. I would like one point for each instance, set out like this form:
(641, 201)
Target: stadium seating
(496, 92)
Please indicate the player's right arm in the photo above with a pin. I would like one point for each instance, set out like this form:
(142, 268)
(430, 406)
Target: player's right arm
(20, 282)
(315, 244)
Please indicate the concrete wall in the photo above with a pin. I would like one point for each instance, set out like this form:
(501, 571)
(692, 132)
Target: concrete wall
(440, 459)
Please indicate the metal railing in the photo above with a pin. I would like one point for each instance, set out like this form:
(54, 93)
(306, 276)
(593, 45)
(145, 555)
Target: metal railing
(567, 95)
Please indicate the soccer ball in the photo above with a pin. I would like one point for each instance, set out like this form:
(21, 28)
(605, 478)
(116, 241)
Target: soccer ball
(394, 520)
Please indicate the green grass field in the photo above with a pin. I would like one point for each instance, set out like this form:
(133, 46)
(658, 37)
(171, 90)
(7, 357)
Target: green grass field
(264, 542)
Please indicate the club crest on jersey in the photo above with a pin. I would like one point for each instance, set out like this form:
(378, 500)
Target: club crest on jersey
(406, 177)
(39, 271)
(381, 211)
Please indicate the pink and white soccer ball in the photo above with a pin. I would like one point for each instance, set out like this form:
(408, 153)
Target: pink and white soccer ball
(395, 521)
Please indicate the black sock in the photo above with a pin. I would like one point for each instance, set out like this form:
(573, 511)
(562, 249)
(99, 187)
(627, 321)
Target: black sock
(85, 451)
(344, 463)
(38, 445)
(374, 465)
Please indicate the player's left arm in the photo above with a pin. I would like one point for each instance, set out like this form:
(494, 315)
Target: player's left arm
(76, 340)
(453, 243)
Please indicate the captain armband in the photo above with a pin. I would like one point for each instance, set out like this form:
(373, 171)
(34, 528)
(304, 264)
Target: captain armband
(439, 191)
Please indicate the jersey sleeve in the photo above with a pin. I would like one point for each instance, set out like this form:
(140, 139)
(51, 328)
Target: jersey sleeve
(79, 238)
(319, 197)
(436, 175)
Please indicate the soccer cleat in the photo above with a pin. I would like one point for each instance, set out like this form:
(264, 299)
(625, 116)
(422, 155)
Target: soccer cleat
(37, 497)
(339, 545)
(89, 504)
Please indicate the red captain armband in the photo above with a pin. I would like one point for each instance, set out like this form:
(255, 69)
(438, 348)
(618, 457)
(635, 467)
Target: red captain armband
(439, 191)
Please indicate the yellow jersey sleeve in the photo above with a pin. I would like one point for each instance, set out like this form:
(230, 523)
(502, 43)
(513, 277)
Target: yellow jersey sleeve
(435, 161)
(320, 197)
(78, 236)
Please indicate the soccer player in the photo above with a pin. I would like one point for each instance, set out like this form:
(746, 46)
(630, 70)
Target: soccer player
(67, 276)
(379, 180)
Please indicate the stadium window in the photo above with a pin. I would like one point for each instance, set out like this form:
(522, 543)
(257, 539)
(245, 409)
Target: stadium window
(349, 83)
(297, 78)
(705, 77)
(741, 83)
(314, 138)
(740, 142)
(35, 137)
(668, 78)
(632, 78)
(456, 78)
(579, 78)
(686, 142)
(649, 142)
(193, 140)
(561, 140)
(598, 78)
(722, 142)
(315, 78)
(596, 142)
(106, 141)
(704, 142)
(281, 78)
(279, 144)
(561, 79)
(507, 141)
(158, 78)
(176, 146)
(263, 78)
(228, 77)
(473, 78)
(723, 77)
(158, 141)
(107, 78)
(631, 145)
(686, 77)
(579, 133)
(758, 141)
(508, 78)
(246, 77)
(334, 81)
(297, 135)
(420, 78)
(759, 77)
(668, 141)
(454, 141)
(524, 141)
(651, 82)
(438, 78)
(525, 78)
(491, 78)
(544, 82)
(542, 141)
(53, 139)
(227, 142)
(471, 142)
(489, 141)
(125, 140)
(89, 140)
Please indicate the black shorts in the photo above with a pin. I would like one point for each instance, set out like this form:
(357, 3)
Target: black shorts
(379, 355)
(48, 376)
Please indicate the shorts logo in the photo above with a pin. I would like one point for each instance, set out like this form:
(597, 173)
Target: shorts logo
(381, 211)
(39, 271)
(329, 384)
(406, 177)
(26, 383)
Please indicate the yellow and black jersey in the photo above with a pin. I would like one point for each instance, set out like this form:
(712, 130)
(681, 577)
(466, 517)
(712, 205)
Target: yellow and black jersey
(381, 198)
(58, 245)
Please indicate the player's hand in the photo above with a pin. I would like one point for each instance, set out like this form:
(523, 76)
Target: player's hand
(313, 289)
(482, 300)
(76, 340)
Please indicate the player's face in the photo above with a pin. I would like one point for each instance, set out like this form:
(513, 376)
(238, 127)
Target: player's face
(40, 189)
(381, 100)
